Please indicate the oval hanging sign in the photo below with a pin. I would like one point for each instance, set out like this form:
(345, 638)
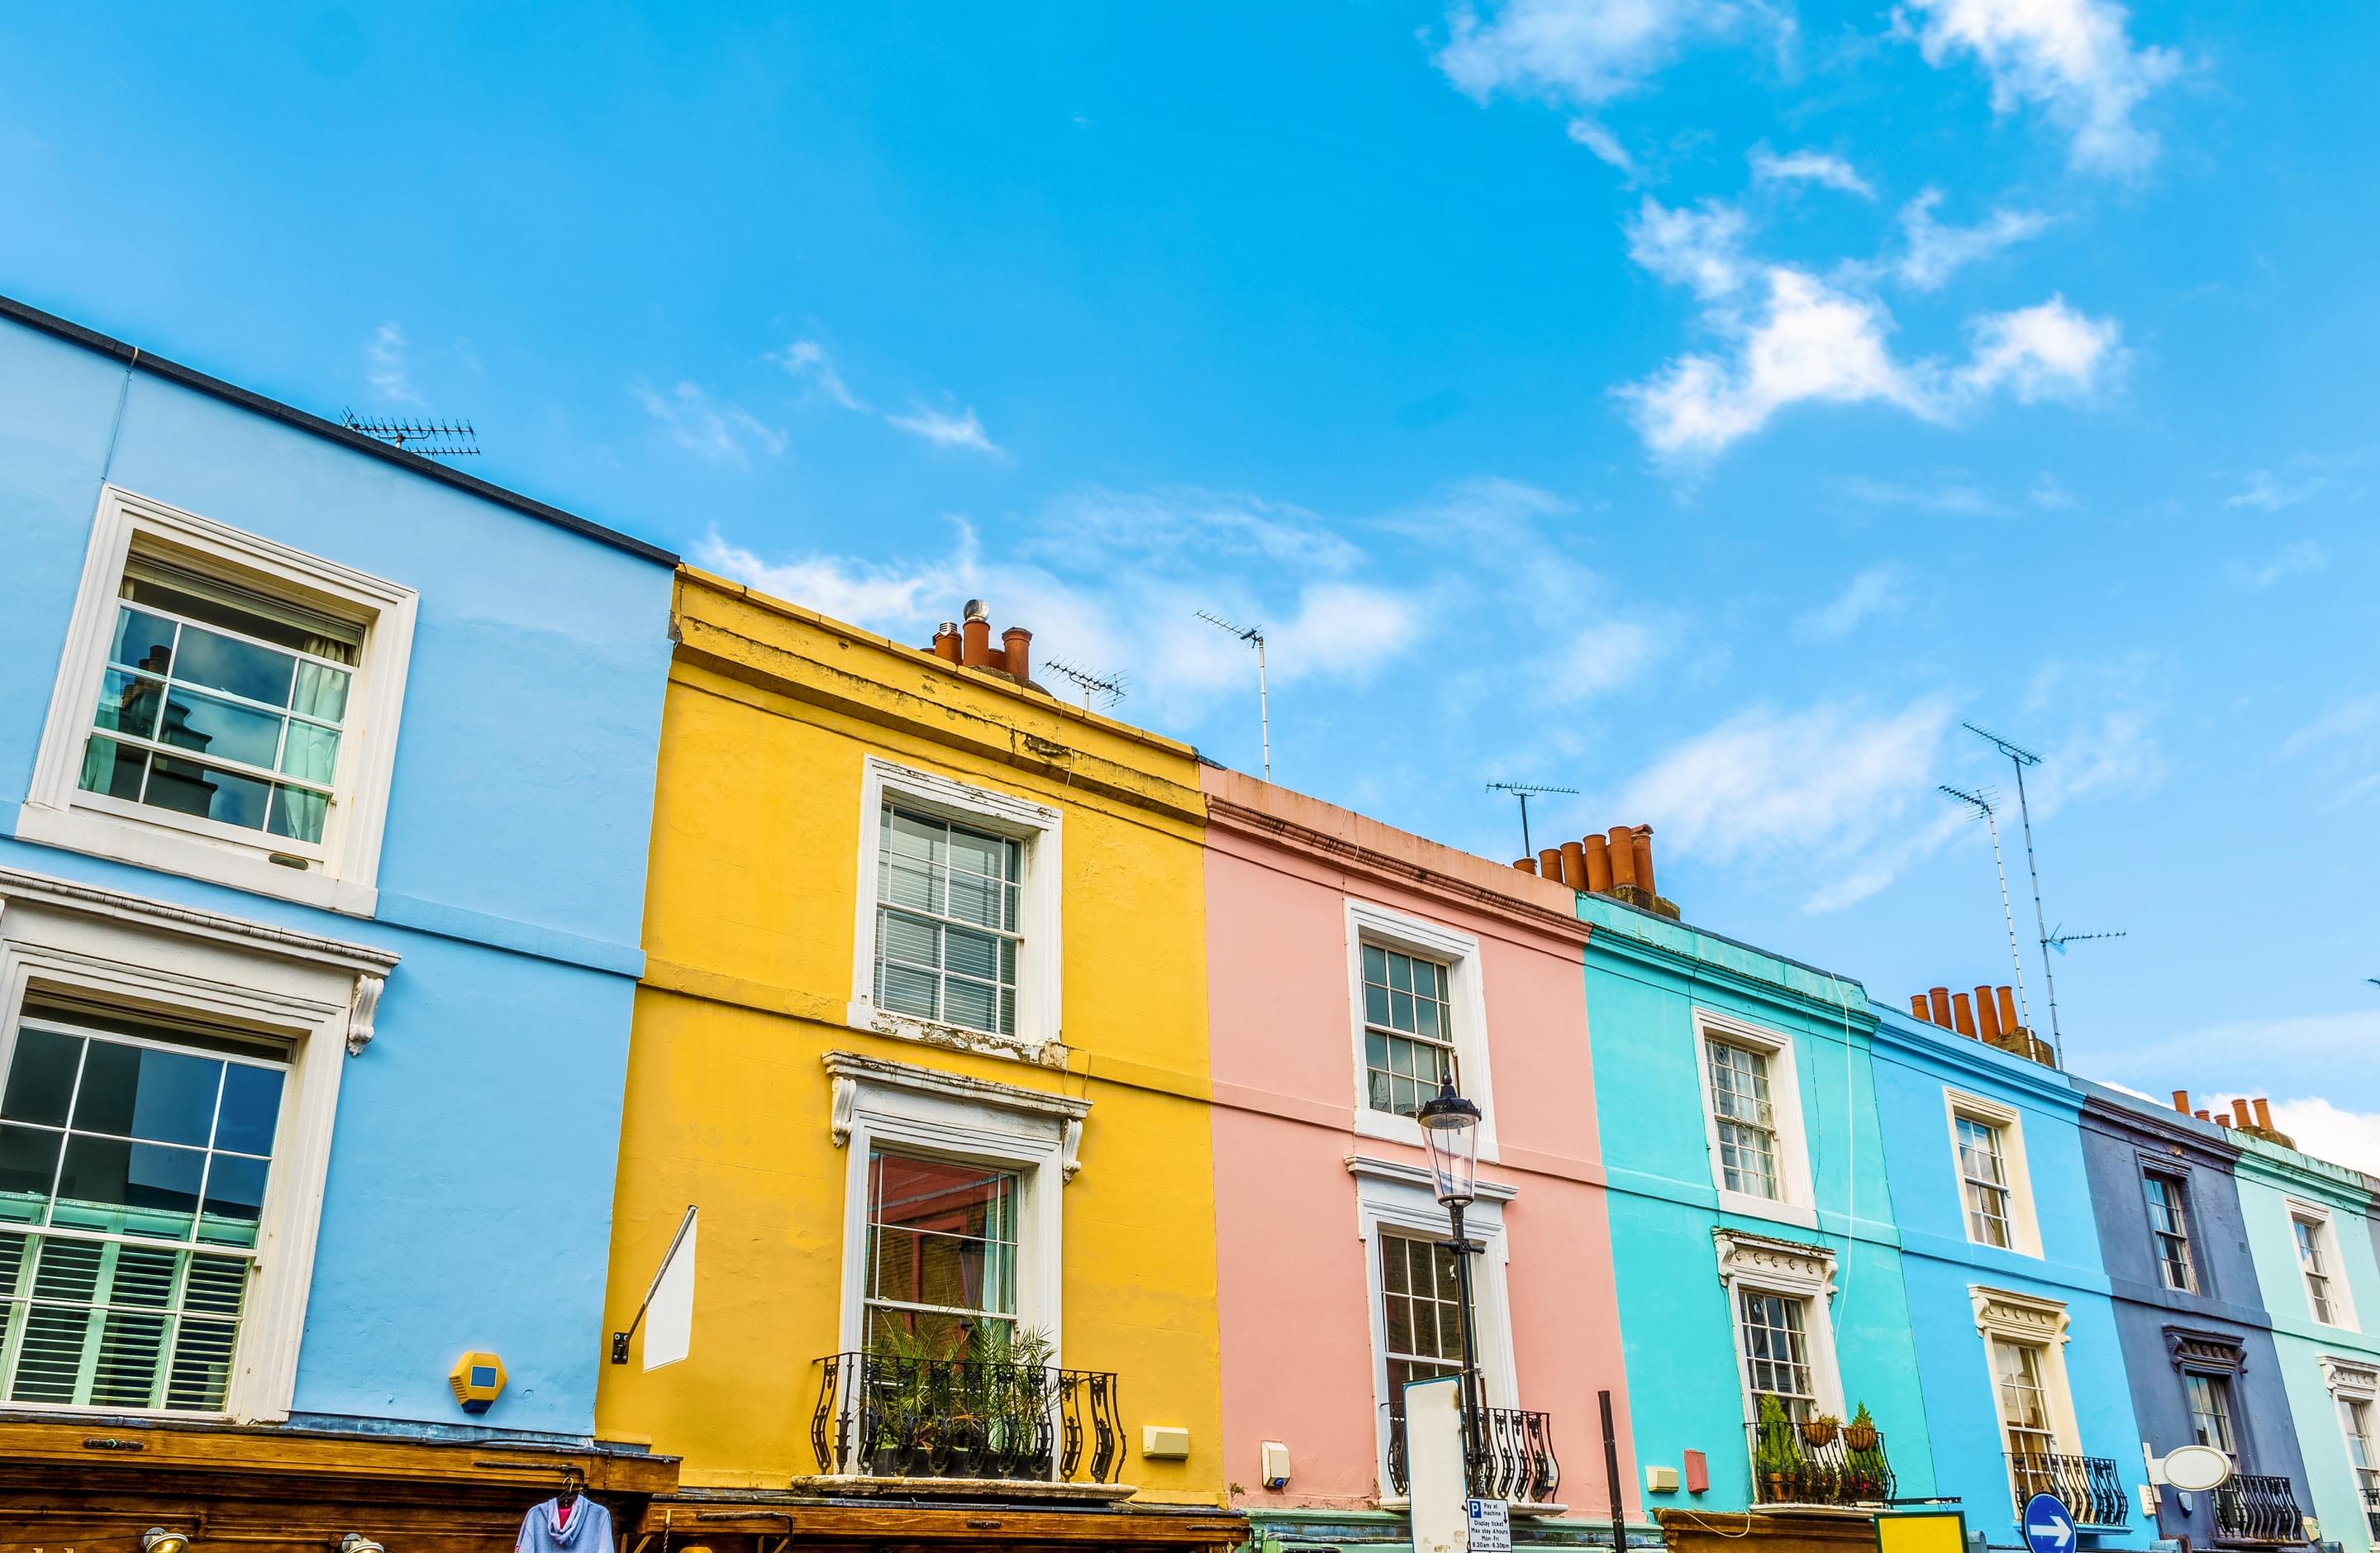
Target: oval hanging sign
(2197, 1468)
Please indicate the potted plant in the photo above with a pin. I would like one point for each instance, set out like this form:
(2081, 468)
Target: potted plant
(1776, 1455)
(1820, 1430)
(1860, 1432)
(898, 1404)
(1863, 1463)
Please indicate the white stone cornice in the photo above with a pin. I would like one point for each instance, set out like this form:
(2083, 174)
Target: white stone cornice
(849, 1073)
(1788, 1267)
(90, 900)
(2027, 1317)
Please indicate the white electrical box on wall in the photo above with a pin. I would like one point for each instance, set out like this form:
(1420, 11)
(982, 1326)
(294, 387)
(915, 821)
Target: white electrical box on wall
(1661, 1480)
(1164, 1442)
(1273, 1465)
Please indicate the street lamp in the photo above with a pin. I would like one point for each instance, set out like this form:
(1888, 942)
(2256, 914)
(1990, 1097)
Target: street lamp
(1449, 1126)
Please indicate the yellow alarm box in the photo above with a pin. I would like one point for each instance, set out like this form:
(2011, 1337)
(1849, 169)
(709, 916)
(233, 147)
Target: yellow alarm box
(478, 1380)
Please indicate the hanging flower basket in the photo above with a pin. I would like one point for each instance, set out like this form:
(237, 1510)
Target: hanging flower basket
(1820, 1431)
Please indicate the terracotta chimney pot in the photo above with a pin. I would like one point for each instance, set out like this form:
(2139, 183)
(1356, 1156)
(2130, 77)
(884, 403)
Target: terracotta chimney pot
(1940, 997)
(1598, 862)
(1987, 1018)
(1016, 652)
(1917, 1007)
(2202, 1116)
(2181, 1101)
(1964, 1013)
(974, 636)
(1623, 856)
(946, 641)
(1573, 859)
(2007, 1011)
(2264, 1113)
(1526, 865)
(1550, 862)
(1641, 846)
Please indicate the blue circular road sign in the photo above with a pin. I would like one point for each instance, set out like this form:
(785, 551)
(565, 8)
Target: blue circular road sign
(2047, 1527)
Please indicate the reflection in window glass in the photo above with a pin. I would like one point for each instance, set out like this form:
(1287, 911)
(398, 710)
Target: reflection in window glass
(941, 1253)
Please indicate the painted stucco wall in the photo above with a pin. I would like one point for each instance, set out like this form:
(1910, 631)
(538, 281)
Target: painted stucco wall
(1917, 1065)
(471, 1165)
(1646, 978)
(2271, 1180)
(757, 848)
(1298, 1362)
(2122, 1134)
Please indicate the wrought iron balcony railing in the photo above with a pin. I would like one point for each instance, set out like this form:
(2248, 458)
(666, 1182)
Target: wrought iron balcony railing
(1847, 1466)
(1513, 1461)
(2372, 1509)
(887, 1417)
(2258, 1509)
(2089, 1487)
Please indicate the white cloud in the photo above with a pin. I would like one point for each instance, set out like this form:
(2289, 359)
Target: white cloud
(2047, 351)
(1808, 166)
(723, 433)
(1824, 794)
(1953, 496)
(2071, 58)
(1586, 51)
(2049, 493)
(807, 361)
(1935, 252)
(2326, 1131)
(1875, 593)
(1603, 657)
(2296, 560)
(944, 429)
(2113, 753)
(1603, 143)
(384, 366)
(2227, 1056)
(1701, 248)
(2267, 494)
(2343, 745)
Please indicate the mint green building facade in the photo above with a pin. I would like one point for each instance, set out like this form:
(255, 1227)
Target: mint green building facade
(2309, 1227)
(1752, 1226)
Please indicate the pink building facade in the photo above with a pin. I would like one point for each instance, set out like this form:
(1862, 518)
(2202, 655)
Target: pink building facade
(1347, 962)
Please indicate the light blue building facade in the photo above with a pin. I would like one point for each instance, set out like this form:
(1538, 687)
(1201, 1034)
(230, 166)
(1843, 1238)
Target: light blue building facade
(2015, 1332)
(325, 792)
(1759, 1270)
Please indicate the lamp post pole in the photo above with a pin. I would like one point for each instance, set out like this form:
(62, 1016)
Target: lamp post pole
(1450, 1127)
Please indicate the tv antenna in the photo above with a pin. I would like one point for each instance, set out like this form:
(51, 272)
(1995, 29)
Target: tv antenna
(1982, 804)
(2060, 938)
(431, 438)
(1523, 791)
(1255, 637)
(2021, 757)
(1109, 688)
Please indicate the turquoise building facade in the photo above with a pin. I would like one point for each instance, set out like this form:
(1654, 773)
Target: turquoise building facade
(2015, 1333)
(2310, 1233)
(1758, 1267)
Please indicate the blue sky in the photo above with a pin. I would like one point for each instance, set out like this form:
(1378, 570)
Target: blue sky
(1705, 404)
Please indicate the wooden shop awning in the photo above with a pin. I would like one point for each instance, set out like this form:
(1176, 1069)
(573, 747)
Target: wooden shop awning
(747, 1522)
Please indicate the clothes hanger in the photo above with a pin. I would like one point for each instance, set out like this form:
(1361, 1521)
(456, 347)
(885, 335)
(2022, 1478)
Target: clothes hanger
(569, 1495)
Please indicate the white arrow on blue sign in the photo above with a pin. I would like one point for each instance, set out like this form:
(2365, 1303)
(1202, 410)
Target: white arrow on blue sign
(2047, 1527)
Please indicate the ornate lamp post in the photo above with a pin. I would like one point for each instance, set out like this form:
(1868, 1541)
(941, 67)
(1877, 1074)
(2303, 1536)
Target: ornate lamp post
(1450, 1125)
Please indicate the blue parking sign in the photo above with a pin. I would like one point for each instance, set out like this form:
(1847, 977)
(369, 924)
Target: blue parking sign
(2047, 1527)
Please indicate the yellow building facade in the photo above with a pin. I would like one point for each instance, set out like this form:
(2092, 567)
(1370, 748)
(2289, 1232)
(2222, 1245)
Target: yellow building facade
(923, 1037)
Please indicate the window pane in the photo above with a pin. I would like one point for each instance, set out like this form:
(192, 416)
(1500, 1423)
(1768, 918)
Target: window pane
(187, 788)
(114, 768)
(235, 1200)
(222, 729)
(1376, 964)
(975, 954)
(41, 1077)
(129, 1188)
(29, 1162)
(311, 753)
(903, 990)
(251, 1108)
(322, 691)
(141, 640)
(908, 940)
(128, 703)
(299, 814)
(161, 1097)
(220, 663)
(974, 1004)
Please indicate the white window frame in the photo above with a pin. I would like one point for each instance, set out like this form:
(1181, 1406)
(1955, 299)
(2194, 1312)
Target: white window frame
(318, 995)
(2326, 1244)
(1764, 1265)
(2003, 1314)
(344, 868)
(2024, 1226)
(1379, 927)
(1393, 1197)
(1039, 992)
(922, 1112)
(1796, 1202)
(2354, 1381)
